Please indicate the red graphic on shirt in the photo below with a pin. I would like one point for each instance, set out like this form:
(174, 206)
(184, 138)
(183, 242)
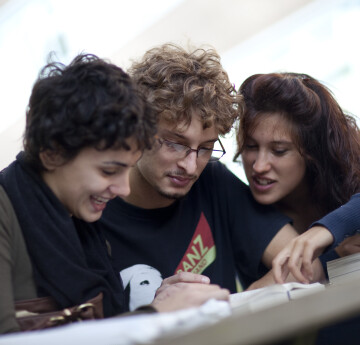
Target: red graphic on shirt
(201, 251)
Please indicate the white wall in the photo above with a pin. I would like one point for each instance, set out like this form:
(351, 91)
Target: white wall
(317, 37)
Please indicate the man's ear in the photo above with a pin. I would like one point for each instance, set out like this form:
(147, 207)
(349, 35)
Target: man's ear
(51, 159)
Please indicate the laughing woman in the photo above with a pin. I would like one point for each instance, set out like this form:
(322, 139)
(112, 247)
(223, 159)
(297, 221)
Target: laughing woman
(86, 126)
(299, 150)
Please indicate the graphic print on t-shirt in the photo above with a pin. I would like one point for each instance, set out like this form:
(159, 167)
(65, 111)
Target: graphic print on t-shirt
(201, 251)
(143, 281)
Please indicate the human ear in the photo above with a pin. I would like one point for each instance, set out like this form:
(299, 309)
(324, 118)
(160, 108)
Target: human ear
(51, 159)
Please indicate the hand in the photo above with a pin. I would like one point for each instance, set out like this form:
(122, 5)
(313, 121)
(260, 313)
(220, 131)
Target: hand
(176, 296)
(298, 255)
(350, 245)
(182, 277)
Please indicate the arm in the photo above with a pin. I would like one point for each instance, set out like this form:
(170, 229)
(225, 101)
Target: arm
(350, 245)
(7, 310)
(15, 269)
(285, 234)
(342, 222)
(252, 227)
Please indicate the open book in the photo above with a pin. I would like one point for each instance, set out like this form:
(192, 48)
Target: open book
(268, 296)
(344, 268)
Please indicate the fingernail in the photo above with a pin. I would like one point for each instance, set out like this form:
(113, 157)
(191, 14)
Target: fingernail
(205, 280)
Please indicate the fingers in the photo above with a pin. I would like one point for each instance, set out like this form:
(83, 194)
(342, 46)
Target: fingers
(182, 277)
(291, 260)
(186, 277)
(219, 294)
(201, 293)
(296, 261)
(279, 268)
(307, 262)
(298, 256)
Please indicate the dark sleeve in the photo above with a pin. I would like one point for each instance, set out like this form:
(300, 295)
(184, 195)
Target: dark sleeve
(252, 225)
(7, 309)
(145, 309)
(16, 280)
(344, 221)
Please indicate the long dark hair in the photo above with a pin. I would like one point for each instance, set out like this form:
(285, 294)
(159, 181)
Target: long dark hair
(327, 138)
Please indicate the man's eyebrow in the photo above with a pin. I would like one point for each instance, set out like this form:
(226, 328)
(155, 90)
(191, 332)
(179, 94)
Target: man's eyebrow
(180, 136)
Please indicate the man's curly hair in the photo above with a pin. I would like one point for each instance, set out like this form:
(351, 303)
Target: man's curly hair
(179, 84)
(89, 103)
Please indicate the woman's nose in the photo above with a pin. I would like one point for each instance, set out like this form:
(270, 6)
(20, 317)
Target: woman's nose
(261, 163)
(121, 187)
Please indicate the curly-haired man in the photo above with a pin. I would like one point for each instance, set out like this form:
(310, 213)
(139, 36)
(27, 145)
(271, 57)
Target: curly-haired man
(186, 211)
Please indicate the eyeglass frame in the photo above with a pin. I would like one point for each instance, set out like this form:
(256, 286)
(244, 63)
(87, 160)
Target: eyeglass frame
(189, 149)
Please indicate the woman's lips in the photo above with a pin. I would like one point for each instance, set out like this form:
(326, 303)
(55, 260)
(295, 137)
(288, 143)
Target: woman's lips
(262, 184)
(99, 203)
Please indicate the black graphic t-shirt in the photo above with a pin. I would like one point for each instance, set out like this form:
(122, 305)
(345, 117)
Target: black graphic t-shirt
(218, 230)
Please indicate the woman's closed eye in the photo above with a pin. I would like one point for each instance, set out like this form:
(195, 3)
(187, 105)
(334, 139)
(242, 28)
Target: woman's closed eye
(280, 151)
(206, 148)
(108, 172)
(251, 146)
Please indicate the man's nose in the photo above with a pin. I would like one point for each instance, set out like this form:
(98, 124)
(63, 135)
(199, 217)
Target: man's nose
(189, 163)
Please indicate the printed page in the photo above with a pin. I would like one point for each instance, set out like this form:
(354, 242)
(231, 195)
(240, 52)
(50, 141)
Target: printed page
(268, 296)
(257, 299)
(344, 269)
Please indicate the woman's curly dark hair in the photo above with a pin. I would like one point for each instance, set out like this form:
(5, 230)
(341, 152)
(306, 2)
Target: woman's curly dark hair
(179, 84)
(327, 138)
(89, 103)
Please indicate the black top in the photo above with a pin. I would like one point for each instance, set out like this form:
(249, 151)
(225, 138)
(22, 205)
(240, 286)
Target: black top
(218, 229)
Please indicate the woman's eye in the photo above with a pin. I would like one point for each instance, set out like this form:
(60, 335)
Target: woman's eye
(280, 152)
(250, 146)
(206, 148)
(108, 172)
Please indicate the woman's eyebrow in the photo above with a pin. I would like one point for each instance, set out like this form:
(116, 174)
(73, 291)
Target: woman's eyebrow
(281, 142)
(115, 163)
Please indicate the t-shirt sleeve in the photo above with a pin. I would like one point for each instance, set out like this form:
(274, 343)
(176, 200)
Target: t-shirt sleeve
(252, 225)
(344, 221)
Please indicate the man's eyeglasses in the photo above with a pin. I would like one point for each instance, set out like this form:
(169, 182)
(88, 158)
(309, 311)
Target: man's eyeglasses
(180, 151)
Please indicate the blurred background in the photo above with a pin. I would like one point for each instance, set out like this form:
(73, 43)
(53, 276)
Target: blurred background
(317, 37)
